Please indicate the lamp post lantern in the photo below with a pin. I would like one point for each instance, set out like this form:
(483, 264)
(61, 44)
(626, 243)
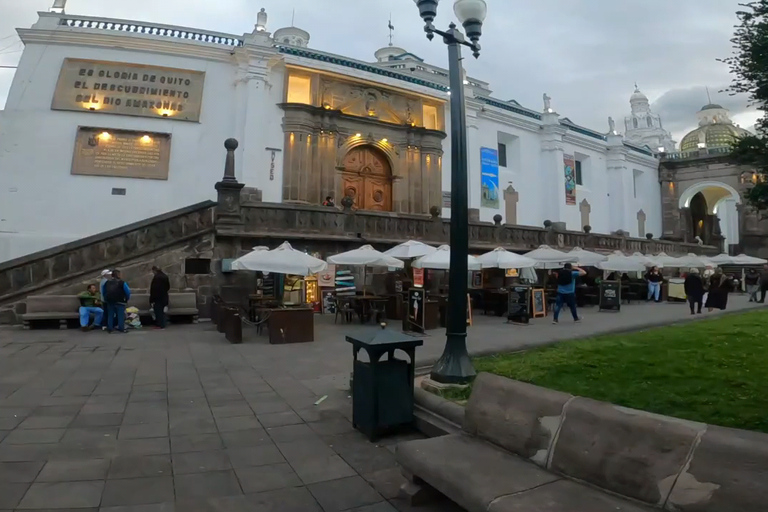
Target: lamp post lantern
(454, 366)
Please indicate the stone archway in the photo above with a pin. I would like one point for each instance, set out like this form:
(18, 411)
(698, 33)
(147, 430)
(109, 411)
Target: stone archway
(710, 211)
(367, 178)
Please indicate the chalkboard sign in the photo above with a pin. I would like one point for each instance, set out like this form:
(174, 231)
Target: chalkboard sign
(519, 304)
(610, 296)
(416, 305)
(539, 304)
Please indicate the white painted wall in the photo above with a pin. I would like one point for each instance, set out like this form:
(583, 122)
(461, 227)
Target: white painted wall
(42, 204)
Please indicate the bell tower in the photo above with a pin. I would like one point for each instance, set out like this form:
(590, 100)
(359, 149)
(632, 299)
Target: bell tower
(644, 128)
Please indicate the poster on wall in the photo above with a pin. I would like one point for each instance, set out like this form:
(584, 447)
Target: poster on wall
(569, 163)
(418, 277)
(489, 175)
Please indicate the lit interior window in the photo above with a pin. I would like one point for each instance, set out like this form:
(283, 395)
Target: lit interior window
(299, 90)
(430, 117)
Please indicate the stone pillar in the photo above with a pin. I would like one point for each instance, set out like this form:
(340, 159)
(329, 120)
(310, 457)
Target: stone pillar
(686, 225)
(552, 191)
(511, 197)
(473, 161)
(641, 218)
(228, 210)
(585, 209)
(619, 182)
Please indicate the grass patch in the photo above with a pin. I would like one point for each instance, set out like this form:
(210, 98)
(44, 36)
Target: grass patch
(713, 371)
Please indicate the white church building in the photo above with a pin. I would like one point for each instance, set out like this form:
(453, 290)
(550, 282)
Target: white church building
(109, 122)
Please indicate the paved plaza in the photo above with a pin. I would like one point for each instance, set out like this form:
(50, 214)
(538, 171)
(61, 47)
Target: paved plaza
(180, 420)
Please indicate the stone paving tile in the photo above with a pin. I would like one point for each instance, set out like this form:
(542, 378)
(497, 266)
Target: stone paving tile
(11, 493)
(387, 482)
(290, 433)
(279, 419)
(196, 443)
(267, 478)
(207, 485)
(41, 422)
(323, 468)
(153, 446)
(138, 491)
(25, 452)
(358, 452)
(97, 420)
(155, 507)
(344, 494)
(19, 472)
(378, 507)
(200, 462)
(131, 466)
(253, 456)
(143, 431)
(63, 495)
(34, 436)
(73, 470)
(245, 438)
(296, 499)
(236, 423)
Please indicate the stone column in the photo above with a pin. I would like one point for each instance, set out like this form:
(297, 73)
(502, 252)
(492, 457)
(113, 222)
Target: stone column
(228, 211)
(511, 197)
(473, 161)
(552, 191)
(619, 182)
(585, 209)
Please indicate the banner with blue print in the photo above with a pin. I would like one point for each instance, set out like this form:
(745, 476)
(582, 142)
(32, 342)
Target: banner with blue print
(489, 176)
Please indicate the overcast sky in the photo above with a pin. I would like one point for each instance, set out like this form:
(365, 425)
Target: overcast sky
(586, 54)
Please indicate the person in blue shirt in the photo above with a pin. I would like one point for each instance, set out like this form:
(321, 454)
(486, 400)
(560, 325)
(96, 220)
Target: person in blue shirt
(116, 296)
(566, 289)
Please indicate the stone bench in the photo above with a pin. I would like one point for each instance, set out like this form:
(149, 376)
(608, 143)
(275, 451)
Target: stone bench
(524, 448)
(65, 308)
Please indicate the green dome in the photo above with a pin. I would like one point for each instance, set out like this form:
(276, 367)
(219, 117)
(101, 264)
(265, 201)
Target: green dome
(716, 135)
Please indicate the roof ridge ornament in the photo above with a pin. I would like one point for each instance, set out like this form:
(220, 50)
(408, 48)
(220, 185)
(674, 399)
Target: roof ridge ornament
(58, 6)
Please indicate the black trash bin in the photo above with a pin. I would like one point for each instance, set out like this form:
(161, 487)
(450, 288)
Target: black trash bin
(382, 390)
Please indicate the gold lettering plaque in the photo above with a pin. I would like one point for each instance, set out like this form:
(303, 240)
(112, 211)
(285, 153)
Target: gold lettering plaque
(121, 153)
(129, 89)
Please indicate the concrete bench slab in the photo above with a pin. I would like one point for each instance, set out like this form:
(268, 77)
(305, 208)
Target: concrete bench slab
(469, 471)
(728, 472)
(565, 496)
(632, 453)
(519, 417)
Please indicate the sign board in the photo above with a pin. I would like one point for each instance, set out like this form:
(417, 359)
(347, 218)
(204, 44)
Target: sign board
(121, 153)
(511, 272)
(327, 278)
(329, 302)
(446, 199)
(418, 277)
(539, 303)
(569, 166)
(610, 296)
(519, 303)
(489, 178)
(416, 305)
(474, 279)
(129, 89)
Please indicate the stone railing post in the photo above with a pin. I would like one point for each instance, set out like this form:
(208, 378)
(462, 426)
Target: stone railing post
(228, 210)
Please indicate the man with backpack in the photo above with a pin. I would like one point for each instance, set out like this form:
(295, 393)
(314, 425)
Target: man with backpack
(566, 290)
(116, 296)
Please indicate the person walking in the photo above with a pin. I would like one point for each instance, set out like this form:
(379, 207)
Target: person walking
(752, 280)
(90, 304)
(719, 287)
(694, 290)
(763, 283)
(116, 296)
(158, 296)
(654, 279)
(566, 290)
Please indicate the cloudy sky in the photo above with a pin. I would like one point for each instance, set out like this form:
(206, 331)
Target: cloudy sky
(586, 54)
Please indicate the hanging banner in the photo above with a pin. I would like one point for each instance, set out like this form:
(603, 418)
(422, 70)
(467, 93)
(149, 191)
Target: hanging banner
(569, 163)
(489, 178)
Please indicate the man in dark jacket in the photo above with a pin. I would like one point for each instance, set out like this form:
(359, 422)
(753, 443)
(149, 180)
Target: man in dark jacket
(158, 295)
(116, 296)
(763, 283)
(694, 290)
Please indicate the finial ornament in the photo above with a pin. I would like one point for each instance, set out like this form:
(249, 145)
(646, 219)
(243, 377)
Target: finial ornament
(547, 102)
(58, 6)
(611, 126)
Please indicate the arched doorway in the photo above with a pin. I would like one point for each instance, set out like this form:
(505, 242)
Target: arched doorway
(712, 202)
(700, 216)
(367, 178)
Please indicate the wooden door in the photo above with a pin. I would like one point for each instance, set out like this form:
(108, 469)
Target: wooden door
(367, 178)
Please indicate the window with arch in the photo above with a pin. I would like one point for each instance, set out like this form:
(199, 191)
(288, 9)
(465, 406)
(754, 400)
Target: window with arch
(649, 121)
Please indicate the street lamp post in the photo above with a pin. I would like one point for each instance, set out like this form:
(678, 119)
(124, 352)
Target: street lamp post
(454, 366)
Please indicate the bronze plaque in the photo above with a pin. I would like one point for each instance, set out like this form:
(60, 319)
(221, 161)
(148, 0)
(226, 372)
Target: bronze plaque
(121, 153)
(129, 89)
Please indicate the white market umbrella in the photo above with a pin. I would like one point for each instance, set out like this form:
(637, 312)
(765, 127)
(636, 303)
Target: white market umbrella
(365, 256)
(441, 260)
(587, 258)
(743, 259)
(243, 262)
(722, 259)
(696, 261)
(646, 260)
(618, 262)
(547, 257)
(283, 260)
(502, 258)
(665, 261)
(410, 249)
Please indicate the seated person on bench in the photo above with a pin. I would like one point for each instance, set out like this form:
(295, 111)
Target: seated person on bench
(90, 304)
